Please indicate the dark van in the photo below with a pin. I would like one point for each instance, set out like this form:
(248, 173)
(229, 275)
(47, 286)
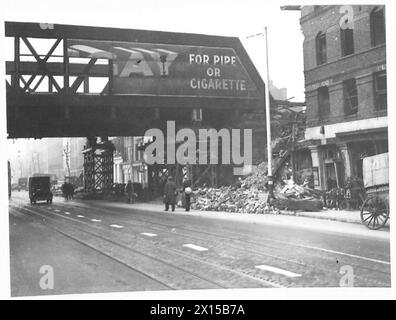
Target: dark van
(40, 189)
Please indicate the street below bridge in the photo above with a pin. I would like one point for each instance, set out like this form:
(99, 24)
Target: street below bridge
(98, 246)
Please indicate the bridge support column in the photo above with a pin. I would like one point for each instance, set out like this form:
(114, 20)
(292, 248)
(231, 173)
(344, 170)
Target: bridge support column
(98, 165)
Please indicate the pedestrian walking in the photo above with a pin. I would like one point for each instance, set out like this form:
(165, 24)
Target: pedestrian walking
(71, 190)
(65, 190)
(170, 194)
(129, 191)
(187, 193)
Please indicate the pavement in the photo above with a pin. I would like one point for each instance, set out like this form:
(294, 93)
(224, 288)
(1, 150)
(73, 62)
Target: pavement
(300, 219)
(348, 216)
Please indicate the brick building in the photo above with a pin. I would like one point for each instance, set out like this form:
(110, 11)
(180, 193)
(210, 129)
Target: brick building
(345, 87)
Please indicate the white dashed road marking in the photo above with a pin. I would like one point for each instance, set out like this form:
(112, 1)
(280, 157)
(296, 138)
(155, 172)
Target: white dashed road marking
(96, 220)
(149, 234)
(67, 212)
(194, 247)
(57, 210)
(116, 226)
(348, 255)
(80, 216)
(280, 271)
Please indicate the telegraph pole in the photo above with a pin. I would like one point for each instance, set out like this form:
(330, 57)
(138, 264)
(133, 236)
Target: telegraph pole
(268, 123)
(267, 117)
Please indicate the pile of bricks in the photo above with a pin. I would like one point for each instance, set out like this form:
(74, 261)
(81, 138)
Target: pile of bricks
(248, 195)
(230, 199)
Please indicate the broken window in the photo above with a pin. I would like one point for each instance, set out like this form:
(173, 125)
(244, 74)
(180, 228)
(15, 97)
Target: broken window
(347, 46)
(377, 25)
(321, 55)
(323, 102)
(350, 97)
(380, 90)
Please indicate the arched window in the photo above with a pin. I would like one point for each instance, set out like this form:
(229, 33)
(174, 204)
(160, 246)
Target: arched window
(321, 54)
(347, 45)
(377, 25)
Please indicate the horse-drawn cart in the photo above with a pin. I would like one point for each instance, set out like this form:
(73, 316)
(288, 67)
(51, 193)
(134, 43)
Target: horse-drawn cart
(375, 209)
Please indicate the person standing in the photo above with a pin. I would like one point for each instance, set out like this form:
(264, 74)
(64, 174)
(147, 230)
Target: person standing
(129, 191)
(71, 191)
(187, 193)
(170, 194)
(65, 190)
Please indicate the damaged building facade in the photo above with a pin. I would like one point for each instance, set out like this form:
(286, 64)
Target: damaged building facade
(345, 87)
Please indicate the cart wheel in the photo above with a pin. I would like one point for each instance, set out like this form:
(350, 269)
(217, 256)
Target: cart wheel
(375, 212)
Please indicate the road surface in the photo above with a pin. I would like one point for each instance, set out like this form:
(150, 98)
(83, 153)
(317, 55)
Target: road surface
(90, 247)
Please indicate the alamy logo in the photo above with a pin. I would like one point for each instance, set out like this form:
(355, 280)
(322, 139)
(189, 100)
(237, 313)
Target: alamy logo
(45, 26)
(47, 280)
(188, 153)
(346, 20)
(348, 277)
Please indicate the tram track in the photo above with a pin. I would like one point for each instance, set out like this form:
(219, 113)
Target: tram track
(248, 246)
(227, 276)
(230, 242)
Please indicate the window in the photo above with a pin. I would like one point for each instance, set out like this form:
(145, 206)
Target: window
(347, 46)
(350, 97)
(138, 153)
(321, 55)
(380, 90)
(323, 102)
(377, 25)
(129, 153)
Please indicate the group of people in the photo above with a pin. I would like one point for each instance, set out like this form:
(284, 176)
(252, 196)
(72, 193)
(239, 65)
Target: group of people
(170, 194)
(68, 190)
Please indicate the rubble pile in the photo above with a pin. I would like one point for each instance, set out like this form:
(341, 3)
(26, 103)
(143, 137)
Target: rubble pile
(291, 190)
(250, 195)
(230, 199)
(298, 197)
(257, 179)
(247, 195)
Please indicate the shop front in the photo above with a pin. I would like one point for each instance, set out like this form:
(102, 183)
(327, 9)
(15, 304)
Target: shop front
(340, 160)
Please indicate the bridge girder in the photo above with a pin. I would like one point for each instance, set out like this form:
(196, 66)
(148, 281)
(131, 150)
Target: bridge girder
(62, 109)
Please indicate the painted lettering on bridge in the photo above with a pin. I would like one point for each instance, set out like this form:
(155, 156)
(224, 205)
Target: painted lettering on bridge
(170, 70)
(213, 79)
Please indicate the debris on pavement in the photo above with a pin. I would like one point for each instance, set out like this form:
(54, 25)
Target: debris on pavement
(230, 199)
(249, 195)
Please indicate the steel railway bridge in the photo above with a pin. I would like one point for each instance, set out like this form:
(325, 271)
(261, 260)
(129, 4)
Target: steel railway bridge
(146, 81)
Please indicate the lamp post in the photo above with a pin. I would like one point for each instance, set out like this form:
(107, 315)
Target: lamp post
(267, 118)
